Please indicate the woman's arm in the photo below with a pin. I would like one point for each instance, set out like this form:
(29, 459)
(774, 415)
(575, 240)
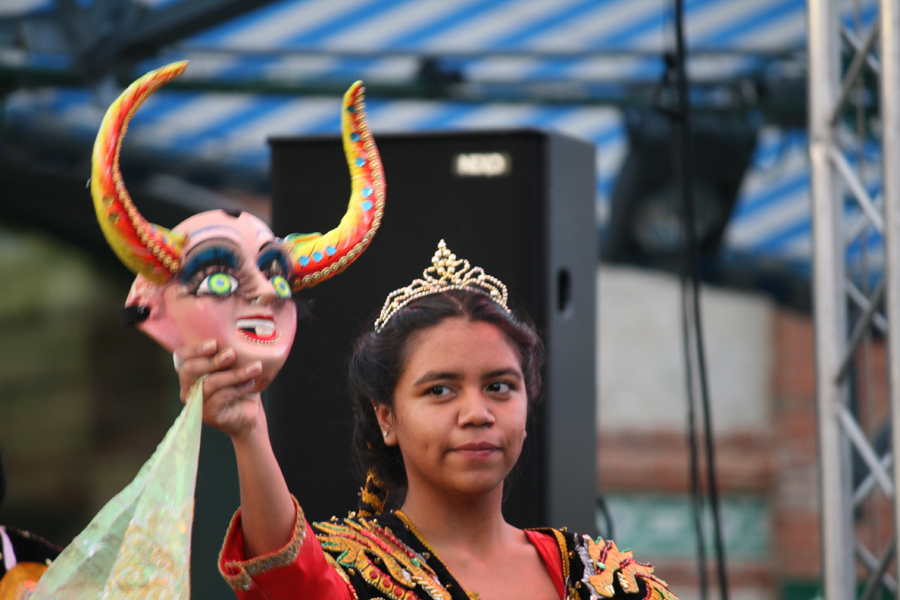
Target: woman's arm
(233, 405)
(266, 504)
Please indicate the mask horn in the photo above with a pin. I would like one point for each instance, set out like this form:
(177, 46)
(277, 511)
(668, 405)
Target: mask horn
(317, 257)
(145, 248)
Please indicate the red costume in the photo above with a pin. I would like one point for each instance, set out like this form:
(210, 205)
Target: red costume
(385, 557)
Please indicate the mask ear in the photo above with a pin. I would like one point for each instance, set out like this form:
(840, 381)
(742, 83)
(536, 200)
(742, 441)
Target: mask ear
(157, 325)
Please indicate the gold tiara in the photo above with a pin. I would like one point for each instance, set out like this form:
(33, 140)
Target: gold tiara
(445, 273)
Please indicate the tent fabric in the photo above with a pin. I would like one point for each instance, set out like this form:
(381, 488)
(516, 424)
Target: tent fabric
(293, 39)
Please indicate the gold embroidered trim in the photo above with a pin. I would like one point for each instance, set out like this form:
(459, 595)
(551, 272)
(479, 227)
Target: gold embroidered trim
(373, 504)
(563, 553)
(248, 569)
(359, 544)
(605, 561)
(342, 573)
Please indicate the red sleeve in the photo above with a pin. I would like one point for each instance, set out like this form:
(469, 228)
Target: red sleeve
(549, 549)
(298, 570)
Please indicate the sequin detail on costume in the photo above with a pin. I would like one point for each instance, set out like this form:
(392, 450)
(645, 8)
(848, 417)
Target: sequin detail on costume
(603, 561)
(356, 542)
(372, 495)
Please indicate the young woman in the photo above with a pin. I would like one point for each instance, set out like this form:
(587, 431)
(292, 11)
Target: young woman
(442, 386)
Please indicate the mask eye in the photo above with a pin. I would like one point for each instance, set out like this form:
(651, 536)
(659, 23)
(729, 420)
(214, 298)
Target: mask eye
(218, 284)
(282, 287)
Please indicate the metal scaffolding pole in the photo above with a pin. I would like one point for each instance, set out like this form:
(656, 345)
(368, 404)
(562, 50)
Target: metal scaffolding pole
(830, 305)
(844, 209)
(890, 148)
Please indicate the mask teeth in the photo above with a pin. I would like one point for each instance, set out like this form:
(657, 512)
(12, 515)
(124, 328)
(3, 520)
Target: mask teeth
(254, 340)
(261, 327)
(143, 247)
(317, 257)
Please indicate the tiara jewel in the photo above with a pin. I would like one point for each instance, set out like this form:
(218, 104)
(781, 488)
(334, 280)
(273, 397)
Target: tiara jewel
(445, 273)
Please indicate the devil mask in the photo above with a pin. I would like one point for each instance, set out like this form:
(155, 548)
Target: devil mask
(222, 276)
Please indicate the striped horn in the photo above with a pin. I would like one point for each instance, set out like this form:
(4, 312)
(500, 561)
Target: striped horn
(143, 247)
(317, 257)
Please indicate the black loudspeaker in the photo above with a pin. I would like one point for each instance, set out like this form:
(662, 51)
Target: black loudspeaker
(519, 204)
(645, 222)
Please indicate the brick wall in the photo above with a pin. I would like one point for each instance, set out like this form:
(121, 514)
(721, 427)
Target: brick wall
(778, 463)
(794, 494)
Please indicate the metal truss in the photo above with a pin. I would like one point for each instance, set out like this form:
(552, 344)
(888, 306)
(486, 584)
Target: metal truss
(105, 35)
(851, 202)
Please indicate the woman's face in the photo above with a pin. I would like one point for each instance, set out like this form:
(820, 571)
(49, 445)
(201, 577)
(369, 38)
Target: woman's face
(460, 408)
(233, 286)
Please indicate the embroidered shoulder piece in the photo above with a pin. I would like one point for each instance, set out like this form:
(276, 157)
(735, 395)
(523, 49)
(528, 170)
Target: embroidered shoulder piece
(358, 544)
(605, 565)
(240, 574)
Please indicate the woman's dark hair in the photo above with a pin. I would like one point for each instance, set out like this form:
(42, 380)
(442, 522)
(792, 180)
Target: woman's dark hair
(379, 359)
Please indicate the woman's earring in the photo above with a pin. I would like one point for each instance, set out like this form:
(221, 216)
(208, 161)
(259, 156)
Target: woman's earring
(384, 433)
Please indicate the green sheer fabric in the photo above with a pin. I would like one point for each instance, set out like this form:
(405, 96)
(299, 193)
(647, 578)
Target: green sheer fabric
(139, 544)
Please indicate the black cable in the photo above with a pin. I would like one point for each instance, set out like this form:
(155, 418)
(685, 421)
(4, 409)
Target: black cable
(609, 534)
(669, 80)
(696, 494)
(691, 277)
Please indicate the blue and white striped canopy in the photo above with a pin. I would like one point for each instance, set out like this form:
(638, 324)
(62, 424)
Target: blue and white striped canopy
(527, 40)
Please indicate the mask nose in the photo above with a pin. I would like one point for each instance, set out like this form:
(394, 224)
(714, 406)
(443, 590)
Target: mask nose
(261, 290)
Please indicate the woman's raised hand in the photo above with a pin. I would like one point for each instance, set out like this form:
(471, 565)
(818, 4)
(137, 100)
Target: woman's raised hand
(232, 404)
(231, 400)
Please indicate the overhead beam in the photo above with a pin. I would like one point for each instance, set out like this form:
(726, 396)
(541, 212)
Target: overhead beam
(107, 34)
(177, 21)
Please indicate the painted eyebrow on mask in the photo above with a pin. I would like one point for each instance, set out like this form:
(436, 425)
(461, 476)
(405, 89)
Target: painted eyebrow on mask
(273, 251)
(215, 252)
